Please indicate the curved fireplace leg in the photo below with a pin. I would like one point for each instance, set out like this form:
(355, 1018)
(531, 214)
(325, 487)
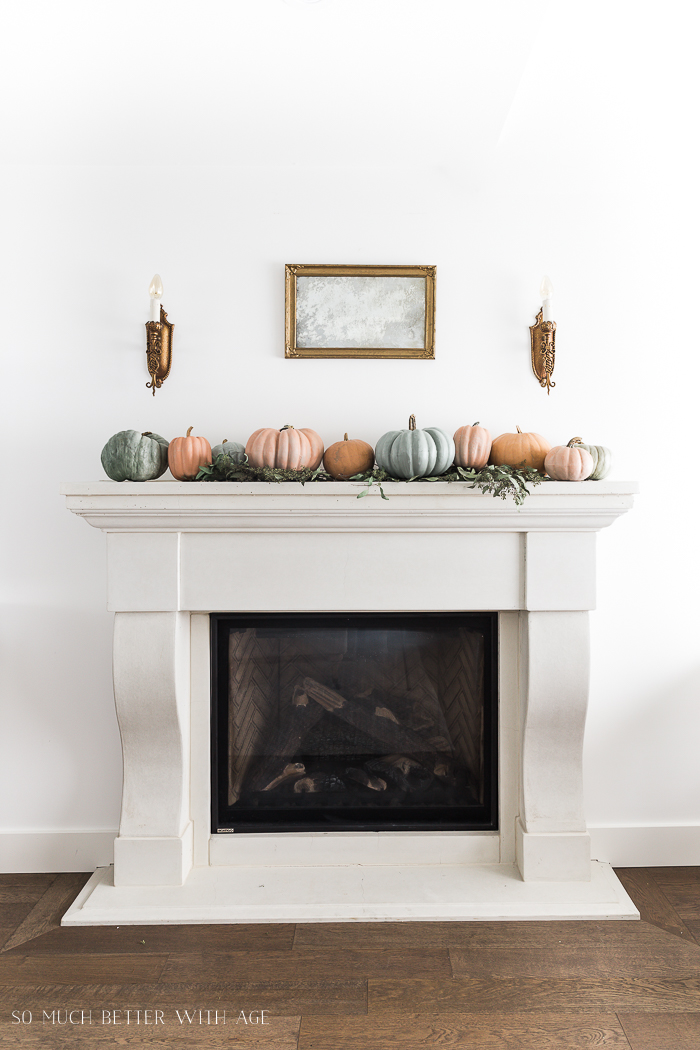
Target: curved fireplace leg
(552, 843)
(151, 691)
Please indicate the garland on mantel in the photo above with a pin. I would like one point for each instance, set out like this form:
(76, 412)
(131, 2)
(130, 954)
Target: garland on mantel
(500, 481)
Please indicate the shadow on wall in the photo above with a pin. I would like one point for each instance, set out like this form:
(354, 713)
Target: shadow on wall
(59, 749)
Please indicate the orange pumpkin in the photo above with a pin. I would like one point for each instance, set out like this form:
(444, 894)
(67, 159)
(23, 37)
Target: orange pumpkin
(472, 446)
(186, 455)
(569, 462)
(520, 450)
(346, 458)
(286, 449)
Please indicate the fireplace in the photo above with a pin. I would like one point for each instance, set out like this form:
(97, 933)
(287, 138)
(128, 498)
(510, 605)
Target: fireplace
(188, 562)
(354, 723)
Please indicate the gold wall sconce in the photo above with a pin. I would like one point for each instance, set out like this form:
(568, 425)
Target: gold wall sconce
(542, 334)
(159, 338)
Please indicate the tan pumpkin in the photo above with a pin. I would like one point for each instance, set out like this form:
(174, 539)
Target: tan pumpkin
(187, 454)
(286, 449)
(569, 462)
(520, 450)
(346, 458)
(472, 447)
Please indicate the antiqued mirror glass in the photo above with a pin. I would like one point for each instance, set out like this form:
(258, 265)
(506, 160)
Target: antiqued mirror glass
(360, 311)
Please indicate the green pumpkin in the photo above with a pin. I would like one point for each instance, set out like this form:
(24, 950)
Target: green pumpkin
(602, 460)
(133, 456)
(415, 453)
(232, 449)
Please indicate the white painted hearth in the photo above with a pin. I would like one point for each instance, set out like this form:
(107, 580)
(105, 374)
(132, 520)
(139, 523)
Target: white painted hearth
(178, 551)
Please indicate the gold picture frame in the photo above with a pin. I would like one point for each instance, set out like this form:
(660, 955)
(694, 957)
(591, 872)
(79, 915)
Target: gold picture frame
(361, 311)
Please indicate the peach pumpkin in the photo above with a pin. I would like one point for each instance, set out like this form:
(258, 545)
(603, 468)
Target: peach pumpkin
(286, 449)
(472, 447)
(569, 462)
(346, 458)
(520, 450)
(187, 454)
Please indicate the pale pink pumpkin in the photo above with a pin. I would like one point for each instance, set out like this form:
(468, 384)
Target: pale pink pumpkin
(569, 462)
(286, 449)
(186, 455)
(472, 447)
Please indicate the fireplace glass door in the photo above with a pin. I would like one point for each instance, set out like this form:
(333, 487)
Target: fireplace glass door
(355, 722)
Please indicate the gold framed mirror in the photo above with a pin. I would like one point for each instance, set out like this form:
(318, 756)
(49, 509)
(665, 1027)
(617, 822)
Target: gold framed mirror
(360, 311)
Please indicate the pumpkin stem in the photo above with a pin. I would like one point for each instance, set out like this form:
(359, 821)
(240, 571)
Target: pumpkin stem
(345, 437)
(287, 426)
(574, 441)
(189, 431)
(146, 433)
(411, 422)
(518, 429)
(475, 424)
(224, 441)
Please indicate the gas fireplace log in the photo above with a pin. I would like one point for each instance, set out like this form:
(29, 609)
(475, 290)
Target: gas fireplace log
(360, 777)
(401, 771)
(443, 769)
(403, 763)
(319, 782)
(295, 722)
(290, 771)
(324, 696)
(381, 724)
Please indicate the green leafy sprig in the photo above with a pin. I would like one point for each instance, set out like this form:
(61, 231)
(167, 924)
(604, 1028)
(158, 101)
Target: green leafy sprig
(499, 481)
(225, 469)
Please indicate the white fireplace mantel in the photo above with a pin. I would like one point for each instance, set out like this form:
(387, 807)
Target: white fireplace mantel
(179, 551)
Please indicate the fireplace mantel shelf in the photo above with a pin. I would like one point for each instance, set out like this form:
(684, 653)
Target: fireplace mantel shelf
(177, 506)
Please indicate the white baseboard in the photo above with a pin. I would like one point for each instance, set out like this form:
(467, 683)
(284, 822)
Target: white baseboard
(647, 847)
(25, 851)
(624, 847)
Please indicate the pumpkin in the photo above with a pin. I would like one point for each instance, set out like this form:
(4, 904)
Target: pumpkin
(232, 449)
(569, 462)
(472, 446)
(602, 460)
(186, 455)
(133, 456)
(346, 458)
(520, 450)
(286, 449)
(415, 453)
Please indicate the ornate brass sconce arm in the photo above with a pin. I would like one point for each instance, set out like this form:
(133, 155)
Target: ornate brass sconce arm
(159, 348)
(542, 350)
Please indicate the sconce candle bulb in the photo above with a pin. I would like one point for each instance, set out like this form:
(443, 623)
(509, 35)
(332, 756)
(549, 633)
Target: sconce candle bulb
(547, 291)
(156, 293)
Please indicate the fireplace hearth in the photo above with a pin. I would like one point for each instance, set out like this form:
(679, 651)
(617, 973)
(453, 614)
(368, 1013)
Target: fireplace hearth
(188, 561)
(354, 723)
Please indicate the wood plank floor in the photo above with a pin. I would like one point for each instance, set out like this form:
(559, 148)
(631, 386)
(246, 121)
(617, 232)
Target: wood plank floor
(337, 986)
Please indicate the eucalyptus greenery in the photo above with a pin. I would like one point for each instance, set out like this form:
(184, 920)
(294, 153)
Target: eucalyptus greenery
(500, 481)
(224, 469)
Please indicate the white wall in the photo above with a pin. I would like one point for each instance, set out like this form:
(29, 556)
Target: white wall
(215, 142)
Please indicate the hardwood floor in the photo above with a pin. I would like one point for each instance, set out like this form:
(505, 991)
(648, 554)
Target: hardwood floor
(377, 986)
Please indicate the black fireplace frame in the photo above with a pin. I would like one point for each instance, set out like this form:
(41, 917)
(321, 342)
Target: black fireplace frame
(473, 818)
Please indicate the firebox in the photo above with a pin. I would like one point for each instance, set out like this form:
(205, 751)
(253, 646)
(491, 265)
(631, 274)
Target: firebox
(360, 722)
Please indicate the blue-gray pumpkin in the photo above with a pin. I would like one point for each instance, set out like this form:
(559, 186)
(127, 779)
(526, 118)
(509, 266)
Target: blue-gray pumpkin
(133, 456)
(602, 460)
(415, 453)
(232, 449)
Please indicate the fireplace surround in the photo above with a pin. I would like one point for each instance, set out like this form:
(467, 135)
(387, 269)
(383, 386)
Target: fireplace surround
(180, 552)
